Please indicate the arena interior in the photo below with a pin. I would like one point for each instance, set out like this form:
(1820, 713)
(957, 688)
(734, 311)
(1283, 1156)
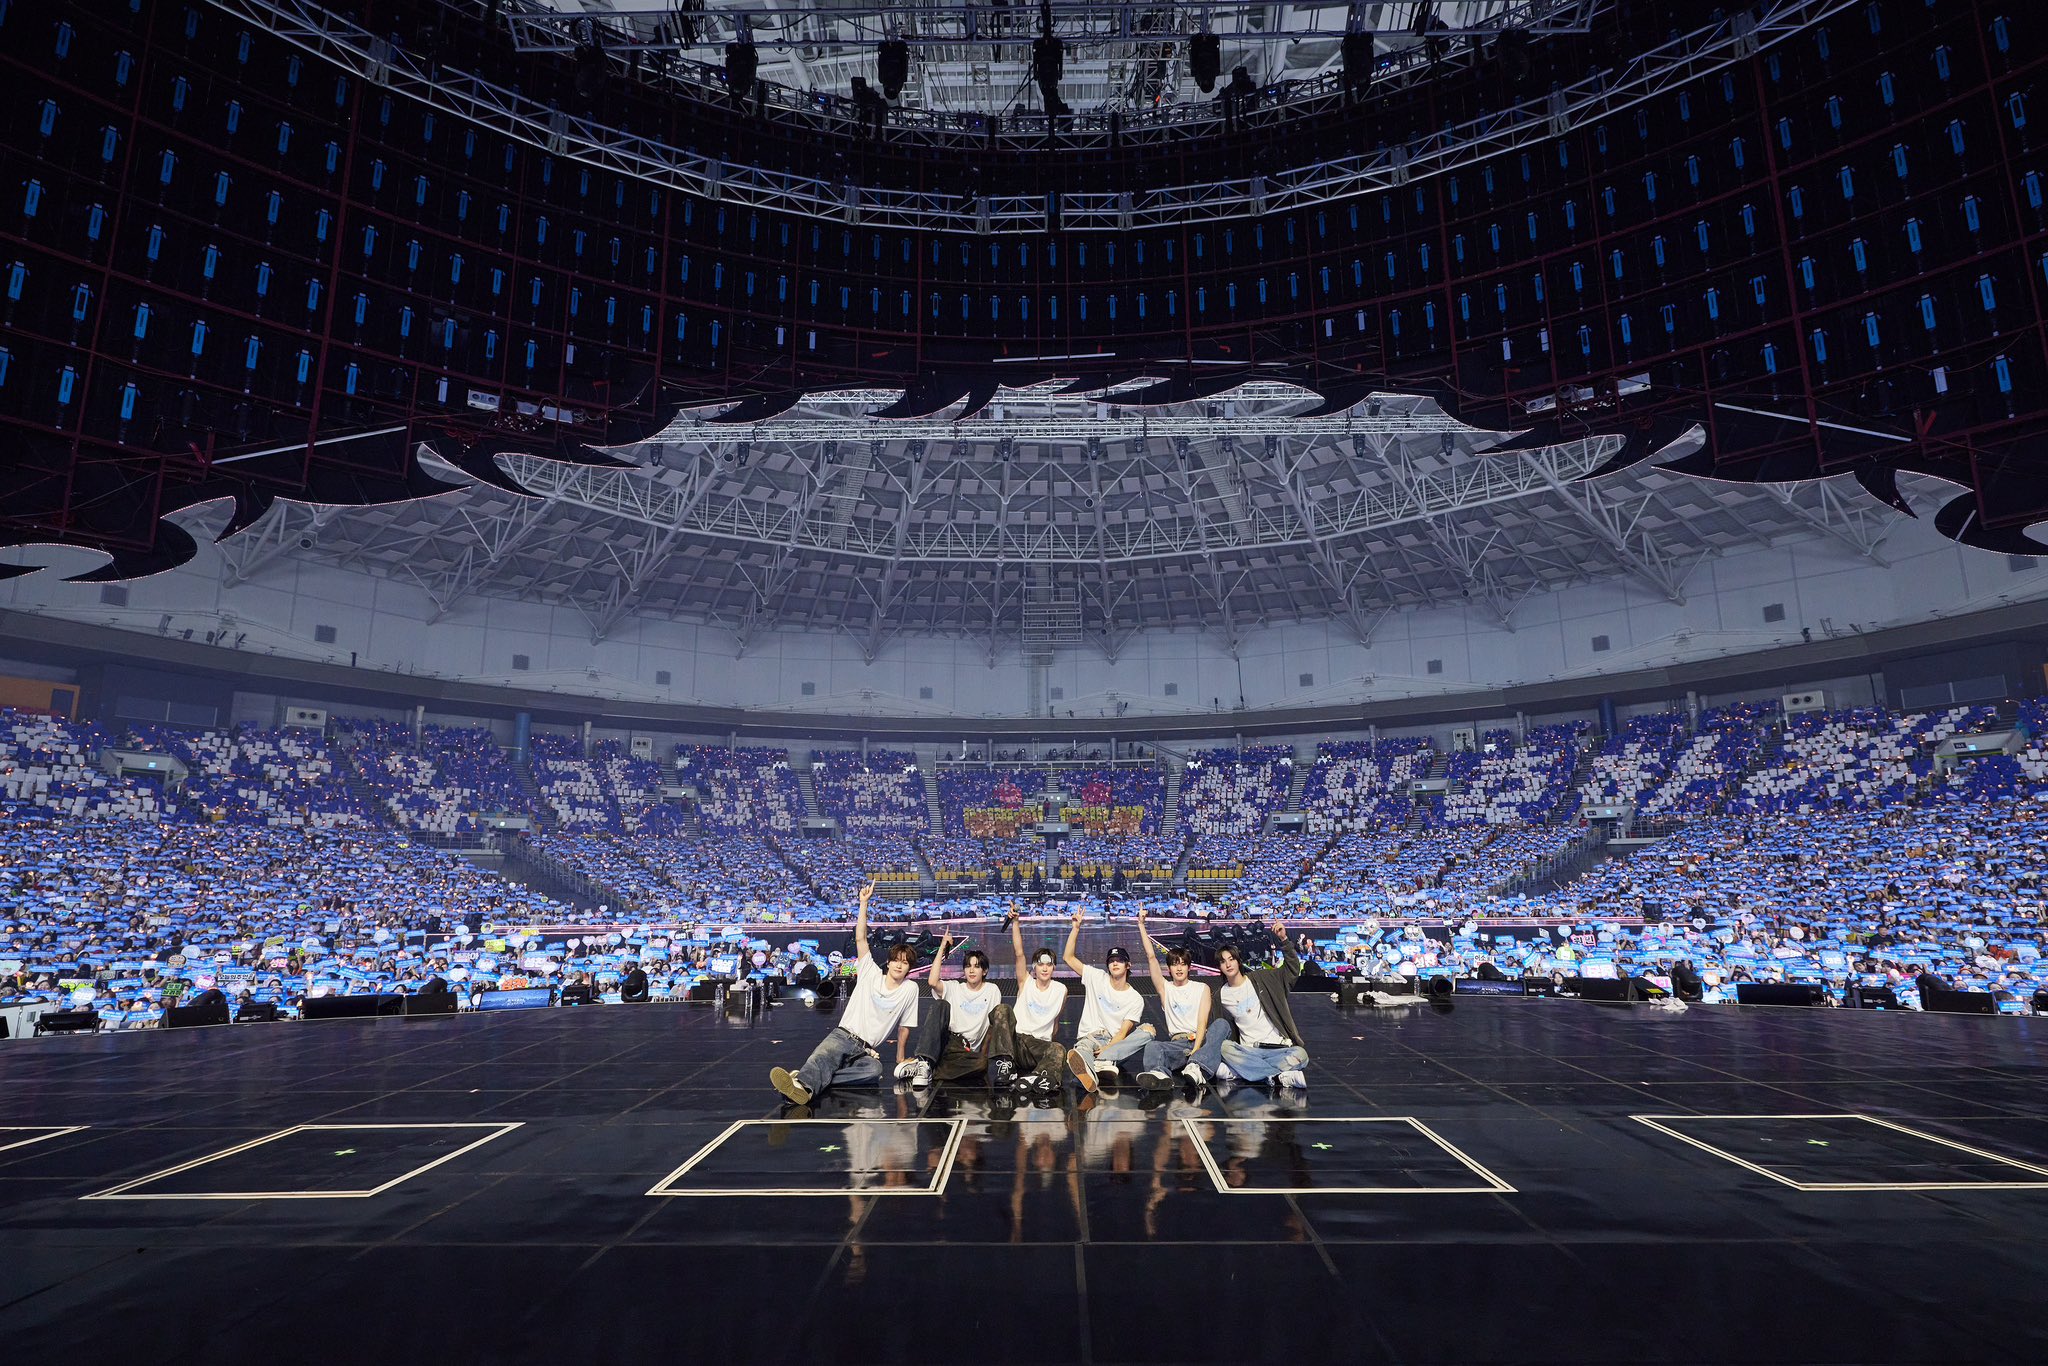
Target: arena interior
(1375, 670)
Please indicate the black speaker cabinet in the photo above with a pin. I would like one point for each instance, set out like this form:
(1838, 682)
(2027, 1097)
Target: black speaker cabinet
(213, 1012)
(361, 1007)
(257, 1012)
(1780, 994)
(1873, 998)
(430, 1003)
(68, 1022)
(1959, 1002)
(1613, 991)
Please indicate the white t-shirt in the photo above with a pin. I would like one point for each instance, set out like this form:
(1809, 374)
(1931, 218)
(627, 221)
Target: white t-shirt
(1182, 1002)
(1106, 1008)
(877, 1009)
(1038, 1008)
(1242, 1001)
(970, 1007)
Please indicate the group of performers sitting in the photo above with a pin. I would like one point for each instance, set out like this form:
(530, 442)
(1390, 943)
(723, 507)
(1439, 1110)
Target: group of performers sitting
(1238, 1027)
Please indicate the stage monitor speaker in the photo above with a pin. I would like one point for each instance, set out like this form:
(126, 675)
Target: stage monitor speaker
(1780, 994)
(361, 1007)
(1604, 990)
(1959, 1002)
(703, 993)
(1488, 986)
(429, 1003)
(2041, 1003)
(68, 1022)
(257, 1012)
(578, 994)
(207, 1008)
(1873, 998)
(1538, 986)
(1315, 979)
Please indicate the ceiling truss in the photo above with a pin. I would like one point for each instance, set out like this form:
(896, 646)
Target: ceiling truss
(1221, 516)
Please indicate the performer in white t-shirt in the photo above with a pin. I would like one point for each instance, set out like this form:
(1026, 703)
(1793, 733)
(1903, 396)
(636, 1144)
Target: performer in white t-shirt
(1040, 1000)
(1111, 1026)
(966, 1027)
(884, 1002)
(1185, 1005)
(1253, 1037)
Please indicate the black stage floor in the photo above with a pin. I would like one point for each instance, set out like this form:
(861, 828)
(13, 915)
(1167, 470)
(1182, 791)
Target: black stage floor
(1474, 1186)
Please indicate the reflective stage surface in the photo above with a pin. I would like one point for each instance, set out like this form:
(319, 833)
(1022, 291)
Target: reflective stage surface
(1513, 1181)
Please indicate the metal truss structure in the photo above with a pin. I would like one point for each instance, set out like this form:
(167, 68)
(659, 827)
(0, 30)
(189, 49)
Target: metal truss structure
(1059, 520)
(1684, 59)
(971, 59)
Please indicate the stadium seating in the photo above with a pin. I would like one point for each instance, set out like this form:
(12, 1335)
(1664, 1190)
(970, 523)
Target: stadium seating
(746, 790)
(1363, 785)
(1231, 792)
(882, 794)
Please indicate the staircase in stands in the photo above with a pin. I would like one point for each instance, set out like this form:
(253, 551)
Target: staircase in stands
(806, 783)
(932, 805)
(1418, 815)
(529, 788)
(1169, 816)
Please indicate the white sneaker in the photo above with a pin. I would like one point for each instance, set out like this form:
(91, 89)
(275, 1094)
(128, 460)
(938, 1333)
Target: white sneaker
(906, 1069)
(1223, 1072)
(921, 1075)
(1194, 1074)
(1292, 1076)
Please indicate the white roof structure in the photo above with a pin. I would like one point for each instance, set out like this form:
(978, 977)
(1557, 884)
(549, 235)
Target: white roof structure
(1067, 521)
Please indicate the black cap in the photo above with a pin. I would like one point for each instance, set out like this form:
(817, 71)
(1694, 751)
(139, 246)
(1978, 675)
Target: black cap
(1118, 954)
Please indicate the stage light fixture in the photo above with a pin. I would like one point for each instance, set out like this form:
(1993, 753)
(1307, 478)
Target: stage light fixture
(1357, 56)
(892, 66)
(742, 64)
(1205, 61)
(588, 79)
(1048, 64)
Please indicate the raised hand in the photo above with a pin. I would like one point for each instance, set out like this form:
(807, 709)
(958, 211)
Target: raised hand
(1279, 930)
(867, 890)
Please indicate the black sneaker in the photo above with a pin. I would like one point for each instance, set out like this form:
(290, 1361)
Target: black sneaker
(1001, 1073)
(1155, 1081)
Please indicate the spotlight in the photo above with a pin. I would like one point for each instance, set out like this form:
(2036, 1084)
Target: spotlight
(892, 66)
(742, 63)
(588, 80)
(1048, 64)
(1513, 49)
(1205, 61)
(1357, 59)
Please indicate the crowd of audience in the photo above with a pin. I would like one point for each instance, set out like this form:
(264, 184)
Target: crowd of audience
(1855, 897)
(53, 766)
(447, 785)
(1363, 784)
(881, 794)
(1513, 782)
(611, 789)
(1828, 846)
(1232, 791)
(749, 790)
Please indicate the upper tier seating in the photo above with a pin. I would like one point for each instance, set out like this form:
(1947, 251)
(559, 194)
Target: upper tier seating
(1231, 792)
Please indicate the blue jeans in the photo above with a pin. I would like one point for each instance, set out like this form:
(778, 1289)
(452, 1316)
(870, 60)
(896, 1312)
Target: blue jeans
(1262, 1064)
(1168, 1055)
(1220, 1032)
(840, 1059)
(1097, 1051)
